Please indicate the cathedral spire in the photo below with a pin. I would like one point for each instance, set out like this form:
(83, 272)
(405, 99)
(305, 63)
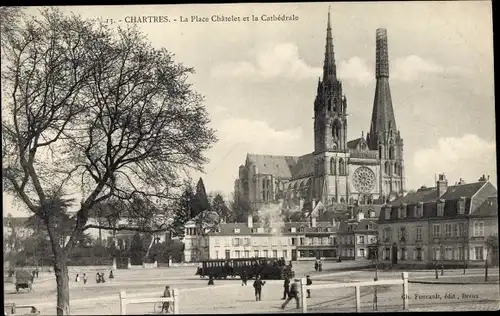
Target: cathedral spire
(329, 68)
(383, 119)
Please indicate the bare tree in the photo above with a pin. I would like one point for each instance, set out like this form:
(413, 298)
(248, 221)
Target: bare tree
(98, 109)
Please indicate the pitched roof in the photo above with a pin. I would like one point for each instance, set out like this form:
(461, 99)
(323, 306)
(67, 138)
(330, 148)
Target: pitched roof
(353, 144)
(426, 195)
(364, 224)
(488, 208)
(279, 166)
(304, 166)
(462, 190)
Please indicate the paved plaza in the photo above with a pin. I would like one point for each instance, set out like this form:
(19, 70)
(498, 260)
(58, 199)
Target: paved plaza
(228, 296)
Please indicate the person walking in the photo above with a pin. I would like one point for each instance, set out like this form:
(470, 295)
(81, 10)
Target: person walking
(258, 284)
(211, 279)
(309, 282)
(77, 277)
(286, 288)
(293, 294)
(244, 277)
(316, 265)
(320, 266)
(111, 275)
(166, 305)
(84, 278)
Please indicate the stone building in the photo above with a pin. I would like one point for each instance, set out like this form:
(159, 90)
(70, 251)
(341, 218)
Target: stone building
(444, 224)
(363, 171)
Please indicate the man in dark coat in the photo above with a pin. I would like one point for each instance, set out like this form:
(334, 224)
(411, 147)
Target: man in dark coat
(258, 284)
(293, 294)
(309, 282)
(211, 279)
(244, 277)
(286, 287)
(316, 265)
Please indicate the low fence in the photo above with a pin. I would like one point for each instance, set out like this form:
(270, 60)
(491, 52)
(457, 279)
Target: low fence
(124, 301)
(357, 286)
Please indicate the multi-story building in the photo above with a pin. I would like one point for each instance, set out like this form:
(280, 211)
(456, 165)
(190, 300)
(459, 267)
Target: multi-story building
(442, 224)
(293, 241)
(362, 171)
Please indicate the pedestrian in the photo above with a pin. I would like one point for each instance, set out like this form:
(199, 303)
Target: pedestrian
(84, 278)
(211, 279)
(111, 276)
(50, 270)
(37, 270)
(77, 277)
(316, 265)
(286, 287)
(98, 277)
(309, 282)
(244, 277)
(166, 305)
(293, 294)
(102, 278)
(33, 273)
(320, 266)
(258, 284)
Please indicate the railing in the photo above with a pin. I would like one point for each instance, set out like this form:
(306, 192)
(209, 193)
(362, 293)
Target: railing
(124, 301)
(357, 285)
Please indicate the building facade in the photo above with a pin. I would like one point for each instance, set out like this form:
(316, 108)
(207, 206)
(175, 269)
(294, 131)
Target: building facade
(441, 225)
(363, 170)
(293, 241)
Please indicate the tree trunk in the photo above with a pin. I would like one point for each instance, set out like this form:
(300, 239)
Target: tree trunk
(149, 248)
(62, 281)
(486, 267)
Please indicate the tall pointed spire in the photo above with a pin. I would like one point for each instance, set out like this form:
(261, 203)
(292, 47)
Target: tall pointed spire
(383, 119)
(329, 68)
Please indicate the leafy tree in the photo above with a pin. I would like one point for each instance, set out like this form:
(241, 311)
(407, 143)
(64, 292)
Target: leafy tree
(182, 212)
(240, 208)
(200, 202)
(115, 115)
(219, 206)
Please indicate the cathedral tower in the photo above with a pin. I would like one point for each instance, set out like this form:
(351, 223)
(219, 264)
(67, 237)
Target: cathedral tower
(330, 131)
(384, 135)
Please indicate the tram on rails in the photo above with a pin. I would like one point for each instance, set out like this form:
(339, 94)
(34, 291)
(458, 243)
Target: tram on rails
(267, 268)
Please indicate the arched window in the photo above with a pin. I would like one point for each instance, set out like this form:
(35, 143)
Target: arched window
(333, 166)
(387, 168)
(341, 167)
(391, 152)
(329, 104)
(395, 168)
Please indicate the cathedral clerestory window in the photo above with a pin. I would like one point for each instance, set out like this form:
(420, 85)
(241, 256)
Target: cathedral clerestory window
(391, 152)
(341, 167)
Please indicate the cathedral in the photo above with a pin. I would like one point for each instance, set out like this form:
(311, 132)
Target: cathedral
(338, 172)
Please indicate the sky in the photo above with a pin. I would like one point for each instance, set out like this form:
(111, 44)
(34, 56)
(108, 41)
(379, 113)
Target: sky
(259, 78)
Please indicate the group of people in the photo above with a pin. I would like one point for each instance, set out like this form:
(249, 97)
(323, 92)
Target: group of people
(99, 277)
(35, 273)
(318, 265)
(291, 291)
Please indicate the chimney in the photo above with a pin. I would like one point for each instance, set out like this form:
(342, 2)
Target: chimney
(313, 204)
(250, 221)
(442, 185)
(382, 55)
(334, 223)
(313, 221)
(371, 214)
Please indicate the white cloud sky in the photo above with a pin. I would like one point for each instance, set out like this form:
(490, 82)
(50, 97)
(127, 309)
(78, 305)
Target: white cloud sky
(280, 60)
(355, 71)
(467, 157)
(259, 78)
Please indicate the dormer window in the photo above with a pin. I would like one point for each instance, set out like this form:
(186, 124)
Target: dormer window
(403, 211)
(293, 229)
(461, 206)
(320, 229)
(301, 229)
(420, 209)
(440, 208)
(236, 230)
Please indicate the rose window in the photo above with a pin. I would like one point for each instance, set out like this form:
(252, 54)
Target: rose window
(364, 179)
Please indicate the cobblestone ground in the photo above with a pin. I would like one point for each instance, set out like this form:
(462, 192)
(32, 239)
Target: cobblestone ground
(228, 296)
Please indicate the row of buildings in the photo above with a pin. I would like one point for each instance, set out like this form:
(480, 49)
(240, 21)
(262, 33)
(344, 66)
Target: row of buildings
(445, 224)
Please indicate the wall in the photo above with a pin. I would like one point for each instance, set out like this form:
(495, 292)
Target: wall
(222, 243)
